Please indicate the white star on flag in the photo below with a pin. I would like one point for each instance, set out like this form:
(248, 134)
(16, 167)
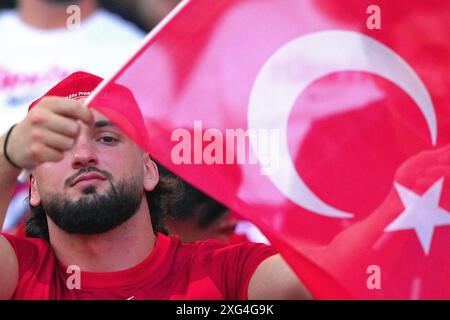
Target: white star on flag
(422, 213)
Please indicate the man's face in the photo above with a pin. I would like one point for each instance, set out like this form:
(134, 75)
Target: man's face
(98, 185)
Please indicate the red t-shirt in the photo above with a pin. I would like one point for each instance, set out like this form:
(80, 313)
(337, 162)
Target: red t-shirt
(173, 270)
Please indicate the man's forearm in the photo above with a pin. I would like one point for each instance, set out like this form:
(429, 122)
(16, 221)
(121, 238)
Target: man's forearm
(8, 177)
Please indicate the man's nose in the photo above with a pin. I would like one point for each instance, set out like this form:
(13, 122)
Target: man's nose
(84, 156)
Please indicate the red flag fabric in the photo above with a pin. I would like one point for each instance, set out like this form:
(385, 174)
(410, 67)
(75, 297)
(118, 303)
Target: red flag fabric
(323, 122)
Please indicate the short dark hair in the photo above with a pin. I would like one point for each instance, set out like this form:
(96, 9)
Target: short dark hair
(160, 202)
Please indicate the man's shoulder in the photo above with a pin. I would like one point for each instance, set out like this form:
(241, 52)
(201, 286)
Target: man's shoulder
(228, 267)
(215, 249)
(26, 240)
(28, 248)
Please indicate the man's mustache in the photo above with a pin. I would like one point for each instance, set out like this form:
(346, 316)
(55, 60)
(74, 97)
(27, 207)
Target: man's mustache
(82, 171)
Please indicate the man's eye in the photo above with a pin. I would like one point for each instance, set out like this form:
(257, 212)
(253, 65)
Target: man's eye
(108, 140)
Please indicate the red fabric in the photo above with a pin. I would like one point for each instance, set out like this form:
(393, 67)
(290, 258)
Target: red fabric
(237, 238)
(382, 99)
(206, 270)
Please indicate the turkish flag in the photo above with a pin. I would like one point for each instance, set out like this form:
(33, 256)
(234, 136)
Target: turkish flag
(323, 122)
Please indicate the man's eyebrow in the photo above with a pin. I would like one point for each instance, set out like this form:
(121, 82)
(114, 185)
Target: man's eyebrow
(103, 123)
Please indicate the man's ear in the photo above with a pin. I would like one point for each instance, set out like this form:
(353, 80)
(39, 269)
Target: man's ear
(151, 175)
(35, 198)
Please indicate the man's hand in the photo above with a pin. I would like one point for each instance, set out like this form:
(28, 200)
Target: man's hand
(48, 130)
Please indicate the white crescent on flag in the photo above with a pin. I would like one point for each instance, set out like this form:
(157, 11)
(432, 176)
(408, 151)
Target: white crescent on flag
(276, 89)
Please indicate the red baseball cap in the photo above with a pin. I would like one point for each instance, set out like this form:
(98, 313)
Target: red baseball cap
(77, 85)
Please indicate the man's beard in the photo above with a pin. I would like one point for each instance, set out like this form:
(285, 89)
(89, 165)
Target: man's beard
(95, 213)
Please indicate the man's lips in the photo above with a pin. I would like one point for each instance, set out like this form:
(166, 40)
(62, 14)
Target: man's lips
(88, 177)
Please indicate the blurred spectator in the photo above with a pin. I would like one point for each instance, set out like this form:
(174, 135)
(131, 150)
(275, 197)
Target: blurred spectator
(196, 216)
(153, 11)
(144, 13)
(199, 217)
(39, 49)
(128, 10)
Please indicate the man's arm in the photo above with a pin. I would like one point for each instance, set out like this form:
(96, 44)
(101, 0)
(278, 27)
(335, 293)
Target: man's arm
(9, 270)
(273, 279)
(44, 135)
